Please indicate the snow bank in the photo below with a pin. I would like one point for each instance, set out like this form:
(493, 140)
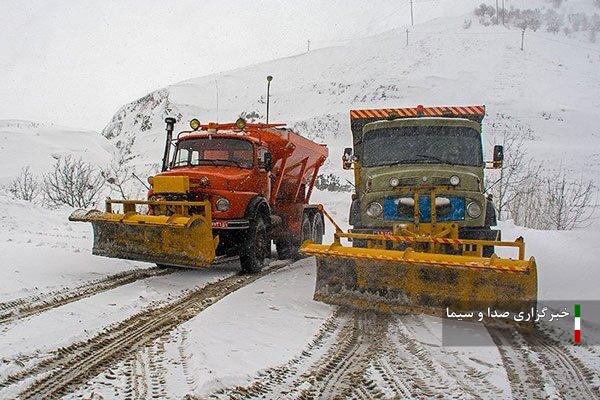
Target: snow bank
(42, 251)
(567, 261)
(26, 143)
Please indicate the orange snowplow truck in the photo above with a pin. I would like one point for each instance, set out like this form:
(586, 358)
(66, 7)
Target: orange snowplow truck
(228, 189)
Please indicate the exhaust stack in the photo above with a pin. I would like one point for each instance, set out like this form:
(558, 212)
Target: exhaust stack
(170, 126)
(269, 79)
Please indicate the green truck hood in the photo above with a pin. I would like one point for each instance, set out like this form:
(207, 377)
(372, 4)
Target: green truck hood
(377, 179)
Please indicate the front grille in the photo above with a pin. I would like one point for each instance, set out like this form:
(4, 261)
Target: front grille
(395, 210)
(408, 181)
(438, 181)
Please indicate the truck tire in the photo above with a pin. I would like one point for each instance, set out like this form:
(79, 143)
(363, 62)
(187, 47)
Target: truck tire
(306, 232)
(490, 220)
(289, 248)
(252, 250)
(318, 228)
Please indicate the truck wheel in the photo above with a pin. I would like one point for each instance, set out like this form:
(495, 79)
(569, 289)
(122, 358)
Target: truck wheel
(252, 252)
(288, 248)
(318, 228)
(306, 231)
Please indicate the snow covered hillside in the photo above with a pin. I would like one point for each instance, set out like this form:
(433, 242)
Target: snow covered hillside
(37, 145)
(74, 325)
(549, 89)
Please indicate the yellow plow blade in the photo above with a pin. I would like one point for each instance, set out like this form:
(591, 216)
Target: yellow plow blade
(179, 240)
(417, 282)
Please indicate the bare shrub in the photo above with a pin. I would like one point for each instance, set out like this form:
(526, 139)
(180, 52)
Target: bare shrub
(120, 172)
(594, 28)
(517, 168)
(485, 14)
(579, 22)
(525, 205)
(72, 182)
(554, 21)
(568, 203)
(331, 183)
(118, 175)
(25, 186)
(526, 19)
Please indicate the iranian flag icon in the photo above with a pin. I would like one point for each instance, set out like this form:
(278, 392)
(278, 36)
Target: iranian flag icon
(577, 332)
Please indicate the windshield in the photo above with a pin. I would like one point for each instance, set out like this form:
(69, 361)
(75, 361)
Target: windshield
(422, 145)
(214, 151)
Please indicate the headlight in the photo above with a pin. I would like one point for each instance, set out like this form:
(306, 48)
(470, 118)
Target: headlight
(374, 209)
(222, 204)
(394, 182)
(454, 180)
(473, 209)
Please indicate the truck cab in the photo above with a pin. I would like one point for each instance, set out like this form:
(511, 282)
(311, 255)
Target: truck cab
(257, 178)
(421, 172)
(226, 169)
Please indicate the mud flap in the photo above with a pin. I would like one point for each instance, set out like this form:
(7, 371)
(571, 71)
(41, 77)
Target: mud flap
(185, 241)
(395, 281)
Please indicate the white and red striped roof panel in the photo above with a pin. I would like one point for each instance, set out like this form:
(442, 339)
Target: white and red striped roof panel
(455, 112)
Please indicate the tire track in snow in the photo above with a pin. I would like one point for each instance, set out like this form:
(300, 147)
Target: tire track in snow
(339, 370)
(26, 306)
(71, 366)
(272, 379)
(539, 358)
(356, 358)
(567, 371)
(474, 381)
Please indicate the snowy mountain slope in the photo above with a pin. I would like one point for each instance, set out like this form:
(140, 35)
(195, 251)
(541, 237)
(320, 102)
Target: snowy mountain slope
(550, 88)
(26, 143)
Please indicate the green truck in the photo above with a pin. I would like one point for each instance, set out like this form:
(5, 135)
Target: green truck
(423, 229)
(398, 152)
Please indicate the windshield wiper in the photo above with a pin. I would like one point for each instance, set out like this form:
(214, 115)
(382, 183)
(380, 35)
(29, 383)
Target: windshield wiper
(213, 162)
(238, 163)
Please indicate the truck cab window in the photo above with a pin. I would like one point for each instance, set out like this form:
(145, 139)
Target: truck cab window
(183, 157)
(214, 151)
(453, 145)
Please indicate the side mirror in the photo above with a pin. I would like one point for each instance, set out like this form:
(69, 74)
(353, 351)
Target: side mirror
(498, 156)
(267, 162)
(347, 158)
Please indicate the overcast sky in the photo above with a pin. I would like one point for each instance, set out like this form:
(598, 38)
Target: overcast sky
(75, 63)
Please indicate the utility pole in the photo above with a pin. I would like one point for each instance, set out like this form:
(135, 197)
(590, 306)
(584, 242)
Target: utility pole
(522, 38)
(412, 19)
(407, 37)
(308, 46)
(497, 18)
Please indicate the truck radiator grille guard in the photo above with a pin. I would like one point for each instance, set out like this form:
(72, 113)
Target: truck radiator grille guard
(448, 208)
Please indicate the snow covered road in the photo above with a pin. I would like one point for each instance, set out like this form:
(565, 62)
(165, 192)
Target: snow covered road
(80, 326)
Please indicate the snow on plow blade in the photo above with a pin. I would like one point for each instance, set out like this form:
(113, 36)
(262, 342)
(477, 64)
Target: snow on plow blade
(417, 282)
(178, 239)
